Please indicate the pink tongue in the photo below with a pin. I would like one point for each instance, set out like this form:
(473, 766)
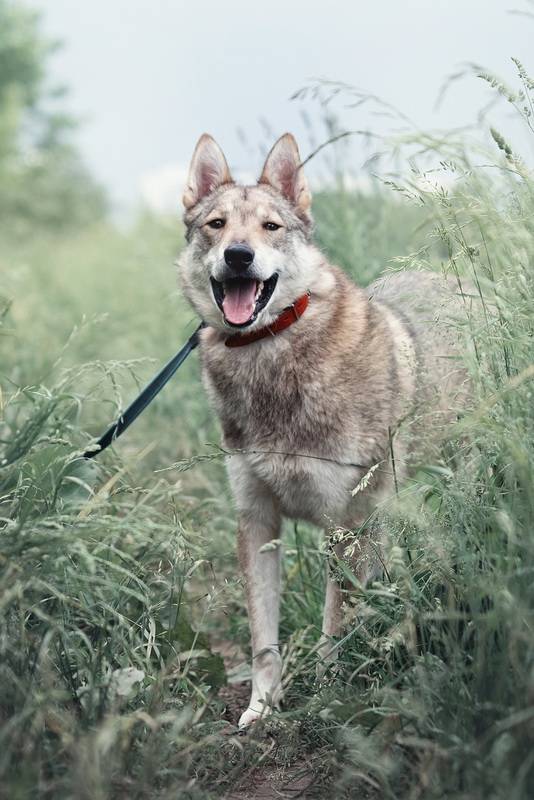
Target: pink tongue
(239, 301)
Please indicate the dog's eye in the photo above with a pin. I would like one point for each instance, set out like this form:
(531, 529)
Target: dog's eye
(216, 223)
(271, 226)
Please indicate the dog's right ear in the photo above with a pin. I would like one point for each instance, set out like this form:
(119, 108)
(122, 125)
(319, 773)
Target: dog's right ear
(207, 172)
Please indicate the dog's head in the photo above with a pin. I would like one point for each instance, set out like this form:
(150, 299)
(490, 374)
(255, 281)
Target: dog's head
(249, 253)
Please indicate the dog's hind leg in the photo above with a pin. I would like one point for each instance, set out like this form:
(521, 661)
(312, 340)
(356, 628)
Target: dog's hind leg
(259, 557)
(360, 555)
(332, 626)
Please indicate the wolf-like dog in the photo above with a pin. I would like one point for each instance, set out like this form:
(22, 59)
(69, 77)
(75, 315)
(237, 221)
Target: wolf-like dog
(317, 383)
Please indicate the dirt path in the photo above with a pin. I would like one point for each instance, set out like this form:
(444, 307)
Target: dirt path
(276, 784)
(263, 782)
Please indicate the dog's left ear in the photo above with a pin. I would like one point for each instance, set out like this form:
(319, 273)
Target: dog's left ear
(207, 172)
(283, 172)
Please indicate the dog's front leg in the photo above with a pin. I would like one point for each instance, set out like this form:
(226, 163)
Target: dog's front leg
(260, 563)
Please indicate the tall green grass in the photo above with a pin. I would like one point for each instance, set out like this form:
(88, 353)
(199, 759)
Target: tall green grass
(118, 577)
(436, 697)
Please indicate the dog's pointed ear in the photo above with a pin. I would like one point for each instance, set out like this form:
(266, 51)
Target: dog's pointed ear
(282, 171)
(208, 171)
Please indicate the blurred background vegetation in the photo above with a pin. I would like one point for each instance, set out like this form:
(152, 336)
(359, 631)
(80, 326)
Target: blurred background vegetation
(37, 157)
(123, 637)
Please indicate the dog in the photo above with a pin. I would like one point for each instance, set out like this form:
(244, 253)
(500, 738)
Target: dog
(322, 388)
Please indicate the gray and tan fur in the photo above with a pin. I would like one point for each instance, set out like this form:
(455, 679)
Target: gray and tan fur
(325, 394)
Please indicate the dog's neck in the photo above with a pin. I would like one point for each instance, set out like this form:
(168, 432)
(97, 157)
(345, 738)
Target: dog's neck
(329, 288)
(289, 315)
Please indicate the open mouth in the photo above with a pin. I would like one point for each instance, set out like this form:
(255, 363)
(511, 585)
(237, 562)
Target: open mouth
(242, 299)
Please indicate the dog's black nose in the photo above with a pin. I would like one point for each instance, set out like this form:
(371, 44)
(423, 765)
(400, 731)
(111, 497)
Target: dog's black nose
(239, 257)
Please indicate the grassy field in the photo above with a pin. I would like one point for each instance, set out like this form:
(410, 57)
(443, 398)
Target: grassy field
(119, 592)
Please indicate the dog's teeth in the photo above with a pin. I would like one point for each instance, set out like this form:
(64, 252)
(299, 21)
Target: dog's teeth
(259, 289)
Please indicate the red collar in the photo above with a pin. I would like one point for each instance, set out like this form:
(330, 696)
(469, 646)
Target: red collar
(288, 316)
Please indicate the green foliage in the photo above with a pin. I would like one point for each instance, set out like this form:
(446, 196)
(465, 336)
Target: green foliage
(22, 54)
(118, 577)
(97, 649)
(364, 232)
(435, 695)
(44, 182)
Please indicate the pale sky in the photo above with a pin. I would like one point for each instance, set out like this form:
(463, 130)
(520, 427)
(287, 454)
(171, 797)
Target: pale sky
(149, 76)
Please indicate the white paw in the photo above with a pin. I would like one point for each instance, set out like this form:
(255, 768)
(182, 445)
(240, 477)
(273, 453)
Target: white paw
(252, 714)
(266, 687)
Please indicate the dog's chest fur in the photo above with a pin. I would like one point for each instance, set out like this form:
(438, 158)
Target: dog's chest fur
(306, 405)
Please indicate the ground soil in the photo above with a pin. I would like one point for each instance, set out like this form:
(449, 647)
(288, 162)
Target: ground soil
(264, 782)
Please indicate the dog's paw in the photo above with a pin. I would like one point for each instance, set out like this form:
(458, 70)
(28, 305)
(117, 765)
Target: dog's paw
(321, 671)
(327, 664)
(251, 715)
(325, 672)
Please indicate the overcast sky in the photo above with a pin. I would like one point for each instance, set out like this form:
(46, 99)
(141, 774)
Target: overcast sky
(149, 76)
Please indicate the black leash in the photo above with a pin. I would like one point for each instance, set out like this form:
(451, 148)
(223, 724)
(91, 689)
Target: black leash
(146, 396)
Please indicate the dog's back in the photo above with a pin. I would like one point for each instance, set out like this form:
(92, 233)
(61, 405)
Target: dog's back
(433, 311)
